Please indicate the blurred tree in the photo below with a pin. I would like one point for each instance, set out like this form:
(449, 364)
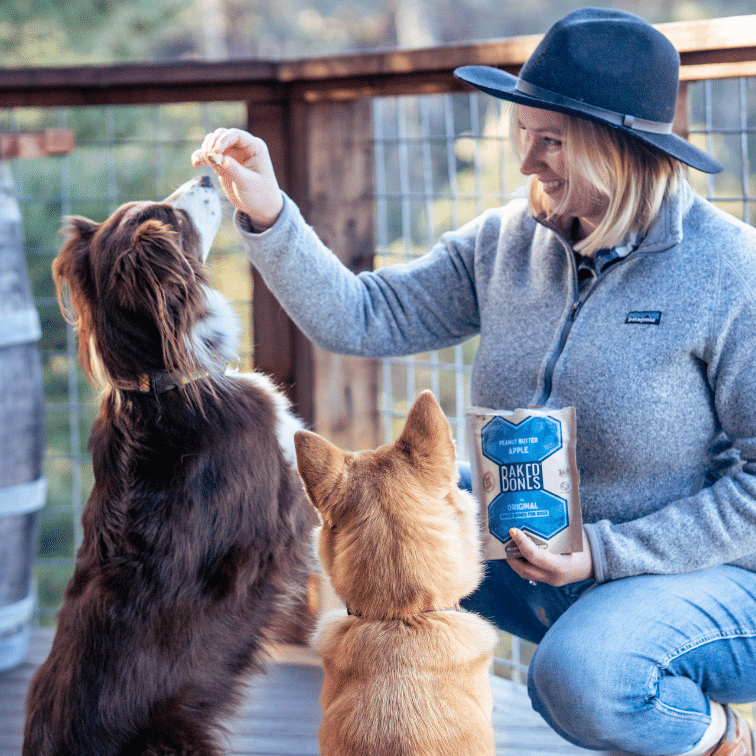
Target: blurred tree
(66, 32)
(69, 32)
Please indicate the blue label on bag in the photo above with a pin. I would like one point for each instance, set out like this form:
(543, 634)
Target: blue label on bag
(519, 450)
(532, 440)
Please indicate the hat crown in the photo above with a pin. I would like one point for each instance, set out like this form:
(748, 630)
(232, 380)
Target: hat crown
(607, 66)
(572, 60)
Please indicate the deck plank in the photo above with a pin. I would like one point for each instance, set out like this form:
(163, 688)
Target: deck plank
(280, 715)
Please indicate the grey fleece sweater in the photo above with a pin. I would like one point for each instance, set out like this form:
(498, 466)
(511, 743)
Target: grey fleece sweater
(658, 357)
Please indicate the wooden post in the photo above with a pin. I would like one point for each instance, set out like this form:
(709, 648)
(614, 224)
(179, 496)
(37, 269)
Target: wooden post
(278, 349)
(340, 200)
(681, 124)
(23, 488)
(322, 153)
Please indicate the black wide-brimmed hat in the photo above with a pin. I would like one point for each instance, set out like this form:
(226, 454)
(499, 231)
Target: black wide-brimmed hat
(605, 65)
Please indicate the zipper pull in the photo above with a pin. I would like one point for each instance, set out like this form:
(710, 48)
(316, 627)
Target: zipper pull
(574, 310)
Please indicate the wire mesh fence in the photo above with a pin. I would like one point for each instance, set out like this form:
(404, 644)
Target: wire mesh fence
(440, 160)
(122, 154)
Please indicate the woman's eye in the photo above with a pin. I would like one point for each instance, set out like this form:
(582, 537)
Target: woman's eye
(553, 142)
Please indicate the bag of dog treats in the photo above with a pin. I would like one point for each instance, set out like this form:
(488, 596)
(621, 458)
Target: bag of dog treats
(525, 476)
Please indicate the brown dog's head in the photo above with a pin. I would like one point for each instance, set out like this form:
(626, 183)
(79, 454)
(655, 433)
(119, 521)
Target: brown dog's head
(398, 536)
(136, 289)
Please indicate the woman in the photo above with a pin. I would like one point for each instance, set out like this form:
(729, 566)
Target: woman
(617, 290)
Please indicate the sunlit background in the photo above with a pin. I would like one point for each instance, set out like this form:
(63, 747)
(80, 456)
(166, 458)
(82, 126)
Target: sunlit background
(439, 161)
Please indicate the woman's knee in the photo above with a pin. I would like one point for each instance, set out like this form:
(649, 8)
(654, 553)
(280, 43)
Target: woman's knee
(565, 681)
(585, 690)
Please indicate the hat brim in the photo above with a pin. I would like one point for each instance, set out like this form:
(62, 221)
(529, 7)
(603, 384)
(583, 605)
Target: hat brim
(498, 83)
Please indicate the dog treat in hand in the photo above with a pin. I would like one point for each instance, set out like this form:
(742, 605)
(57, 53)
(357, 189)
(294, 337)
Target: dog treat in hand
(525, 476)
(215, 157)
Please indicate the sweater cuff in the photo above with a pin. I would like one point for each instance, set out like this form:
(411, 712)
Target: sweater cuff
(244, 223)
(597, 552)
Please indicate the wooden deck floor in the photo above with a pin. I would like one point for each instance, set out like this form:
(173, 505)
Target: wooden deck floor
(282, 712)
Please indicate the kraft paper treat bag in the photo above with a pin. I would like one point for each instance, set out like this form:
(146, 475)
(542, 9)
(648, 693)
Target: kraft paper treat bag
(525, 476)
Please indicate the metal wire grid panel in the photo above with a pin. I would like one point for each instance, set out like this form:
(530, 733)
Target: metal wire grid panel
(723, 122)
(122, 154)
(440, 160)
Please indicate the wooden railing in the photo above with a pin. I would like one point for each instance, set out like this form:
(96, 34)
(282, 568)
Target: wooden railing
(315, 115)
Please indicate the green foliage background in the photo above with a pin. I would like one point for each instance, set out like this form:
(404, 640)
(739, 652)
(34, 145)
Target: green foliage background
(72, 32)
(127, 153)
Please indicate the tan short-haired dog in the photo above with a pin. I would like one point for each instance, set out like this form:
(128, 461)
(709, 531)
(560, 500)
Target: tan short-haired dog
(406, 673)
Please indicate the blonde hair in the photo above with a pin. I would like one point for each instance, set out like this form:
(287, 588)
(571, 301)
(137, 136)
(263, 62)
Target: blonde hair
(611, 170)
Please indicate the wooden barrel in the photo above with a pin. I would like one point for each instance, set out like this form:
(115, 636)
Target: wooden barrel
(22, 486)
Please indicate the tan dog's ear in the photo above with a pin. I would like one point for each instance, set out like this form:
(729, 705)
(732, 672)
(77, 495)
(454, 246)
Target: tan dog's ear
(427, 433)
(319, 463)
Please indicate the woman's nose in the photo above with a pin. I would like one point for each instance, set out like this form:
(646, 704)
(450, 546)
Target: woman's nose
(529, 160)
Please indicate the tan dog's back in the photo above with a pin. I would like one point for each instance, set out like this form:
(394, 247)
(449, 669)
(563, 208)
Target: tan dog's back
(406, 674)
(398, 688)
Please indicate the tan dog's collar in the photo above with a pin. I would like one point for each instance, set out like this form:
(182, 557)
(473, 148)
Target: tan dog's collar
(425, 610)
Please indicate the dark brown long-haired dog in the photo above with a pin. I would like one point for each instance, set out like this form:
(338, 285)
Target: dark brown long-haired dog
(197, 533)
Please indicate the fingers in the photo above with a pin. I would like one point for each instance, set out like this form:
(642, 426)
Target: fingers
(211, 151)
(545, 567)
(527, 564)
(241, 146)
(525, 544)
(242, 163)
(201, 155)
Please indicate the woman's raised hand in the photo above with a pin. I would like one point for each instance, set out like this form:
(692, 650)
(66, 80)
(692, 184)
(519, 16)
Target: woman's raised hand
(243, 166)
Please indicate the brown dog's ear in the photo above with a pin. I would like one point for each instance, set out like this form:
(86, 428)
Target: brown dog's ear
(153, 276)
(319, 463)
(71, 266)
(80, 228)
(74, 282)
(427, 434)
(152, 270)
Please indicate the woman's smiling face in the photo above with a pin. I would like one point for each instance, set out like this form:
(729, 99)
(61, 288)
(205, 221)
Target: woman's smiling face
(541, 134)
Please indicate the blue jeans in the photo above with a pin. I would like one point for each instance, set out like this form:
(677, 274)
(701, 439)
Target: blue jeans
(630, 665)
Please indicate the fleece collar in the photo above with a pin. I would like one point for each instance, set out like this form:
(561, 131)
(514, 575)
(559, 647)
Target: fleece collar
(667, 229)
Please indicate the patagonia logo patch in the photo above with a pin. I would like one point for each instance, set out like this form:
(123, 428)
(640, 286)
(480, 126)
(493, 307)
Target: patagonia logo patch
(643, 318)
